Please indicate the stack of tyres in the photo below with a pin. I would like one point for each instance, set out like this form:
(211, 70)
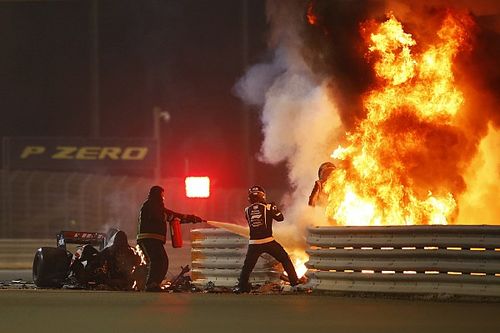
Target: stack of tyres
(217, 258)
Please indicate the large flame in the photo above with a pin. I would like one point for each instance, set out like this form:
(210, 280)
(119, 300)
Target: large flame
(376, 183)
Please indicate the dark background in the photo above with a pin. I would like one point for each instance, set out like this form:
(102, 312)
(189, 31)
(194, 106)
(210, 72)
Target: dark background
(181, 56)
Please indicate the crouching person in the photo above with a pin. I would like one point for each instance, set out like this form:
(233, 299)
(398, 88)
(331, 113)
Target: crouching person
(152, 234)
(260, 216)
(112, 268)
(119, 261)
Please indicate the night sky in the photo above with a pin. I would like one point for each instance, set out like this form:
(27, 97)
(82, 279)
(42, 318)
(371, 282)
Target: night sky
(182, 56)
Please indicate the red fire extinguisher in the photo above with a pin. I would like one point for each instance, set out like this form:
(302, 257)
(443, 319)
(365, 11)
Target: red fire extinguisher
(175, 233)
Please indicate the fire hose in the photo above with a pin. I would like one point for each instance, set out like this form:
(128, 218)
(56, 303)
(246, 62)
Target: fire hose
(231, 227)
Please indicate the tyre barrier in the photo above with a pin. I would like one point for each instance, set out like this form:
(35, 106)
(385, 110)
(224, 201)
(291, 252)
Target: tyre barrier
(217, 257)
(438, 259)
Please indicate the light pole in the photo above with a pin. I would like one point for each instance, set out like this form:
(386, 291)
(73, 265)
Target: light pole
(158, 116)
(95, 130)
(247, 144)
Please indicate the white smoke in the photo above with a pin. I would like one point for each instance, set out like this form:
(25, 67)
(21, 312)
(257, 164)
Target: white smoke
(300, 122)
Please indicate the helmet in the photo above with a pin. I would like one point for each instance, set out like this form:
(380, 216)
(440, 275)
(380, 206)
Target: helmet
(256, 194)
(156, 192)
(325, 169)
(119, 240)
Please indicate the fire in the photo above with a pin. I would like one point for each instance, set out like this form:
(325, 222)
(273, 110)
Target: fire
(311, 17)
(299, 259)
(396, 63)
(138, 284)
(138, 251)
(378, 181)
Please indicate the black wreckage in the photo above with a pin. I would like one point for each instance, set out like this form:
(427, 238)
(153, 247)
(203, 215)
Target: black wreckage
(101, 261)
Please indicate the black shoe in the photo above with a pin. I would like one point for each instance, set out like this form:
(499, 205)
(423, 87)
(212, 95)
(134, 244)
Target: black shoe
(241, 290)
(153, 288)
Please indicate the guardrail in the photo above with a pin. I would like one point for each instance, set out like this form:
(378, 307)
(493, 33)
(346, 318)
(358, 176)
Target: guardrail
(459, 260)
(217, 256)
(19, 253)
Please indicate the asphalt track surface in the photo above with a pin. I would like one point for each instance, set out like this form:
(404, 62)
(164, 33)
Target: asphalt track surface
(98, 311)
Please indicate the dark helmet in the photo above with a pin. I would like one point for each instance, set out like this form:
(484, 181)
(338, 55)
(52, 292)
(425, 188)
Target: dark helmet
(156, 192)
(119, 240)
(325, 169)
(256, 194)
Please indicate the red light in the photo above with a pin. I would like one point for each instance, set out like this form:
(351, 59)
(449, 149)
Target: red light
(197, 187)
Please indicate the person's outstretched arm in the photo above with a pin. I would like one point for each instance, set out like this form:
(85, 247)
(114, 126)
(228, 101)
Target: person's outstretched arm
(185, 218)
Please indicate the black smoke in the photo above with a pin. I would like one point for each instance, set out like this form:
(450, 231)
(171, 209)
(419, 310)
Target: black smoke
(334, 47)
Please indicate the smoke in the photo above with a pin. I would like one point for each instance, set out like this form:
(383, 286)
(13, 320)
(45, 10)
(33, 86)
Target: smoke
(300, 120)
(334, 47)
(311, 91)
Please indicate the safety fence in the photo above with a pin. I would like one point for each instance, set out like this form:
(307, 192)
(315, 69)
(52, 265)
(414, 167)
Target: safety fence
(38, 204)
(440, 259)
(218, 255)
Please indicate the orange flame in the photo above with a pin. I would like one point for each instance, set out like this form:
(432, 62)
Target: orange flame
(299, 259)
(138, 251)
(413, 91)
(311, 17)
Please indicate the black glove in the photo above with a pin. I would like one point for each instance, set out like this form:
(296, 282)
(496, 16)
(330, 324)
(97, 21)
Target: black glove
(273, 206)
(194, 219)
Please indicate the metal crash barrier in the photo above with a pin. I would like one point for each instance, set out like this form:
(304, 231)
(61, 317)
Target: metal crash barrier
(217, 257)
(439, 259)
(19, 253)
